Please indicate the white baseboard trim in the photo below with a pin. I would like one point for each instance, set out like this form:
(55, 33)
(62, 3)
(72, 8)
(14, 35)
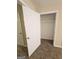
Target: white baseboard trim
(58, 46)
(46, 39)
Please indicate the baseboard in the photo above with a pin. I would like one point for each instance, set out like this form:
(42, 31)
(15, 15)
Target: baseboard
(46, 39)
(58, 46)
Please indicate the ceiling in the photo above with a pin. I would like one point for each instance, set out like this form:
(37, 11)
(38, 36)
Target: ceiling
(44, 5)
(43, 2)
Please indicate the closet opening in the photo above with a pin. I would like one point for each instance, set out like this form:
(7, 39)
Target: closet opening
(48, 28)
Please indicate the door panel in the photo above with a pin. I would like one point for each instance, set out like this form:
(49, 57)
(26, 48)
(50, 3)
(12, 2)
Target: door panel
(32, 27)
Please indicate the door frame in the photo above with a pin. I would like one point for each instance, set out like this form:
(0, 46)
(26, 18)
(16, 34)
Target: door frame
(51, 12)
(20, 11)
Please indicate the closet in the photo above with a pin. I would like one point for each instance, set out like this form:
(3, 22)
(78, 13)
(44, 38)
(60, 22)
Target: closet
(48, 26)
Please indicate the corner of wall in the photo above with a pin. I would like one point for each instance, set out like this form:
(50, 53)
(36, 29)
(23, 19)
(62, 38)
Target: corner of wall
(57, 45)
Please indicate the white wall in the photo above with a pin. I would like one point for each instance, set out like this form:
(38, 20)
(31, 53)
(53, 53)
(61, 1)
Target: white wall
(47, 26)
(48, 6)
(29, 3)
(58, 27)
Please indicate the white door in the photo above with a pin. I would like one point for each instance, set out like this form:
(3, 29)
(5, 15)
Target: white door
(32, 27)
